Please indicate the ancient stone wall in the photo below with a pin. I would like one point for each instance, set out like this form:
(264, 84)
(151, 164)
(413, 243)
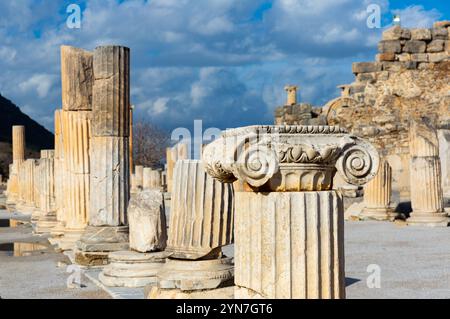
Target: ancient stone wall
(298, 113)
(409, 79)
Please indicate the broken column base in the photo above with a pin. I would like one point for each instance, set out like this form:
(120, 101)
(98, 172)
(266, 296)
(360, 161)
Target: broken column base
(428, 219)
(69, 239)
(97, 242)
(189, 275)
(132, 269)
(380, 214)
(45, 224)
(25, 209)
(58, 229)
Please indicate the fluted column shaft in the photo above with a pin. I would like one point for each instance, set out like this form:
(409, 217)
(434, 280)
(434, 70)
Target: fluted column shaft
(289, 245)
(18, 140)
(18, 149)
(201, 213)
(151, 179)
(47, 193)
(59, 173)
(110, 174)
(377, 195)
(425, 173)
(76, 132)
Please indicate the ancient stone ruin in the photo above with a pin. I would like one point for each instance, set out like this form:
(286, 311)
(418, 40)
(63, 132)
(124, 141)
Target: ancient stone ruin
(261, 213)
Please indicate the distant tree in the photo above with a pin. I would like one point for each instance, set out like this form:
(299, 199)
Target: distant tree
(149, 144)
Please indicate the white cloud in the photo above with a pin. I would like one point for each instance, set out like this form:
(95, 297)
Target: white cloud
(159, 106)
(417, 17)
(191, 59)
(41, 83)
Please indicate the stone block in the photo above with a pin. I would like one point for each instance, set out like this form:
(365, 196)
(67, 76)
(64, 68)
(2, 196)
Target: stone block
(188, 275)
(366, 77)
(419, 57)
(415, 46)
(436, 46)
(147, 221)
(385, 57)
(389, 46)
(404, 57)
(77, 79)
(441, 24)
(420, 34)
(437, 57)
(396, 33)
(132, 269)
(365, 67)
(439, 33)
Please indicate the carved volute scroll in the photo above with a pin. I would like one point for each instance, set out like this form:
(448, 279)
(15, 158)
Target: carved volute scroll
(290, 157)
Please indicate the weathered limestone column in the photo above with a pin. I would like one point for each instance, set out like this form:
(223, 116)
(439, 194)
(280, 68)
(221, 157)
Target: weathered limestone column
(77, 82)
(289, 228)
(110, 172)
(377, 195)
(174, 154)
(151, 179)
(201, 222)
(292, 94)
(37, 188)
(47, 207)
(139, 174)
(425, 169)
(18, 149)
(444, 156)
(26, 186)
(60, 176)
(171, 158)
(201, 219)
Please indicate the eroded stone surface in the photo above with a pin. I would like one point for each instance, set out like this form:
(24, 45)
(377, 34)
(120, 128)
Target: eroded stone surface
(147, 221)
(188, 275)
(201, 213)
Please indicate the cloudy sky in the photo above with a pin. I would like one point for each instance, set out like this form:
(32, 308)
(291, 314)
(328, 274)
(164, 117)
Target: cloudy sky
(222, 61)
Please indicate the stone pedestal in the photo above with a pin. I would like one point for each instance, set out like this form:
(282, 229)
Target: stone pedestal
(289, 232)
(425, 169)
(110, 172)
(132, 269)
(148, 236)
(377, 196)
(190, 275)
